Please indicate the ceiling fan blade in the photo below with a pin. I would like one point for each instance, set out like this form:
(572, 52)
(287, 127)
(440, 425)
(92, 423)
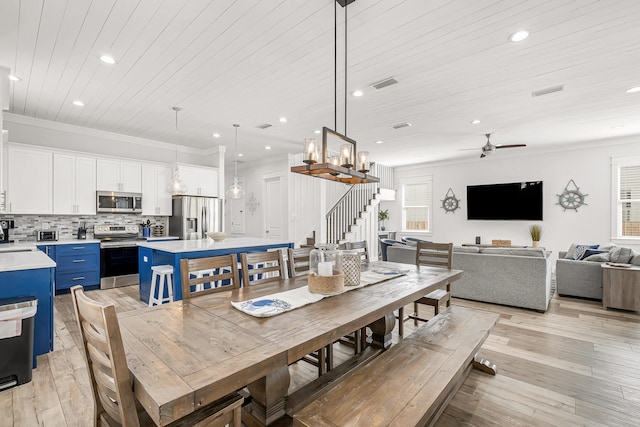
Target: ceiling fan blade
(511, 146)
(468, 149)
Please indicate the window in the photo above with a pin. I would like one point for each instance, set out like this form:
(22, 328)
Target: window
(626, 191)
(416, 202)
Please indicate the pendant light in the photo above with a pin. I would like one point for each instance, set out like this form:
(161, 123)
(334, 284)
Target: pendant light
(343, 168)
(235, 190)
(176, 186)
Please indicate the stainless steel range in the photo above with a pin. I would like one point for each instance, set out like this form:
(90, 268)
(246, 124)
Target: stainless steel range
(118, 254)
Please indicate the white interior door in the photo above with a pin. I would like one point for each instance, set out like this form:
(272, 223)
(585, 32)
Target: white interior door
(274, 208)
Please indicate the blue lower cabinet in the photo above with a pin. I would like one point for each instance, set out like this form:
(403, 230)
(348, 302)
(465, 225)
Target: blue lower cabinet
(76, 264)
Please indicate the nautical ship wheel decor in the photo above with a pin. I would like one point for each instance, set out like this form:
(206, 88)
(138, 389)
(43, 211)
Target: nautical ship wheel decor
(571, 197)
(450, 203)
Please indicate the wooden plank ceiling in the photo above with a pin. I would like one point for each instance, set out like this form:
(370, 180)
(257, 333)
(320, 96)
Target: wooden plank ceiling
(251, 62)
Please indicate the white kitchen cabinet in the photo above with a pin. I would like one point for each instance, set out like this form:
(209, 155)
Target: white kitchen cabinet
(29, 181)
(155, 198)
(200, 180)
(119, 175)
(74, 184)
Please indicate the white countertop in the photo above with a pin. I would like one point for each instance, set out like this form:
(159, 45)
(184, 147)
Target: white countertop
(66, 242)
(28, 260)
(153, 239)
(179, 246)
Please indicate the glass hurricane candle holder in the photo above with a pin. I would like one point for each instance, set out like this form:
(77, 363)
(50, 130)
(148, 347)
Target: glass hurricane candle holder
(364, 165)
(346, 156)
(325, 269)
(310, 155)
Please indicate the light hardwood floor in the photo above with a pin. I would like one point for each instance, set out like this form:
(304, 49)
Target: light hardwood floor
(577, 364)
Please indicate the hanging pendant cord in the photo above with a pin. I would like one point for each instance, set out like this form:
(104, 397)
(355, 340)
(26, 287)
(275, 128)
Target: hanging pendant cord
(335, 66)
(345, 71)
(236, 126)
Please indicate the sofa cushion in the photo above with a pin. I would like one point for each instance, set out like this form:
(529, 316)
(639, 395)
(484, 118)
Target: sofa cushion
(598, 257)
(636, 258)
(577, 250)
(466, 249)
(590, 252)
(532, 252)
(620, 254)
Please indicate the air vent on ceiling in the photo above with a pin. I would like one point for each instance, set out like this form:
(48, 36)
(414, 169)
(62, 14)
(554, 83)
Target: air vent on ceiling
(264, 126)
(401, 125)
(548, 90)
(384, 83)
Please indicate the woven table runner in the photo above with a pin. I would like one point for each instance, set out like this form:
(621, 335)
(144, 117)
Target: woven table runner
(281, 302)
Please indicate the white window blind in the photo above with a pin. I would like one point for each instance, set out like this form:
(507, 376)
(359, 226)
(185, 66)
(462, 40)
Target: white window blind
(629, 200)
(415, 204)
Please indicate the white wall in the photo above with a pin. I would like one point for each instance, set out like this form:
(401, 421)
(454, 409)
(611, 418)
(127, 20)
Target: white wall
(589, 167)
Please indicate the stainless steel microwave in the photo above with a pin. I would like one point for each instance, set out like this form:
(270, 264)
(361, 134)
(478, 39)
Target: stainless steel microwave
(118, 202)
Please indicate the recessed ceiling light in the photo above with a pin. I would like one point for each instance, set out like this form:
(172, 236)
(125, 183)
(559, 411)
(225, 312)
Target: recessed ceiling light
(634, 89)
(216, 135)
(14, 78)
(475, 122)
(283, 119)
(379, 142)
(78, 103)
(519, 36)
(317, 131)
(267, 148)
(240, 155)
(357, 93)
(107, 59)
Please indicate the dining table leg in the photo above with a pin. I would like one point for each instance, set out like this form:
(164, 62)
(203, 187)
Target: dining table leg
(381, 331)
(267, 398)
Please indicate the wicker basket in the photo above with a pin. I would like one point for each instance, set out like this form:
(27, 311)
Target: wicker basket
(326, 284)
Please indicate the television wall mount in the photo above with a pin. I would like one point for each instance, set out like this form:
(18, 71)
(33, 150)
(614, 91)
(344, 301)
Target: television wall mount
(450, 203)
(571, 197)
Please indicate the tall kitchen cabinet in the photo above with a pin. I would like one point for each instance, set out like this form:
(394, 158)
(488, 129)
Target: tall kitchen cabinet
(29, 180)
(200, 180)
(156, 200)
(119, 175)
(74, 184)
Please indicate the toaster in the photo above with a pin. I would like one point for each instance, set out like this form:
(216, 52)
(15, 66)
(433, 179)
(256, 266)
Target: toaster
(46, 235)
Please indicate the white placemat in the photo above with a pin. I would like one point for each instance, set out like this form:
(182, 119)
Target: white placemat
(271, 305)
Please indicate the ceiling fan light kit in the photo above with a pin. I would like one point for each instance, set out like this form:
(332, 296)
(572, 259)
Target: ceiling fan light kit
(489, 148)
(349, 166)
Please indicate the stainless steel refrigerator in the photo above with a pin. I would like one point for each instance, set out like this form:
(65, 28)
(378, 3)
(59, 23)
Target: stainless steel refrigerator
(195, 216)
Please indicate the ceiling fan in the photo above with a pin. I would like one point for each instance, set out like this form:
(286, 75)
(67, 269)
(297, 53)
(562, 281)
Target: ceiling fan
(489, 148)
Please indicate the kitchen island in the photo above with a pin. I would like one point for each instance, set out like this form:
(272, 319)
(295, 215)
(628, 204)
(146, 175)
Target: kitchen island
(171, 252)
(30, 273)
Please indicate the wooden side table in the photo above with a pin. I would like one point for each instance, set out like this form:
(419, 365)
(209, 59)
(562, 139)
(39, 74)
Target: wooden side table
(621, 287)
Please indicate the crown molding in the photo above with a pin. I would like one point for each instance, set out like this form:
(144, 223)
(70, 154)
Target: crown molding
(65, 127)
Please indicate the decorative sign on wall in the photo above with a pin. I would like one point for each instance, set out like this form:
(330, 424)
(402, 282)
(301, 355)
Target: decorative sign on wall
(450, 203)
(571, 197)
(253, 204)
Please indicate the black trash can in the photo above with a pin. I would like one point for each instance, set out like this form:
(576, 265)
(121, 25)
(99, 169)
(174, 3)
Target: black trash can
(16, 340)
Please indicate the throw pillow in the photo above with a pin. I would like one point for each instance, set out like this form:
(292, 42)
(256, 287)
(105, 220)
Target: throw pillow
(620, 254)
(603, 257)
(590, 252)
(635, 260)
(581, 249)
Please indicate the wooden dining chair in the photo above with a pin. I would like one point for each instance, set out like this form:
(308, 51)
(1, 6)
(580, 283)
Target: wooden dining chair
(434, 255)
(220, 269)
(262, 267)
(298, 261)
(361, 247)
(114, 401)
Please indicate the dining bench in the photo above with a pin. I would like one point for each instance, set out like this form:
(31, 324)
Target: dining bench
(412, 382)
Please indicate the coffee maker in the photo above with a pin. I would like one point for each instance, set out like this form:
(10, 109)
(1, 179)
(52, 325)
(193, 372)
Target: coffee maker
(5, 226)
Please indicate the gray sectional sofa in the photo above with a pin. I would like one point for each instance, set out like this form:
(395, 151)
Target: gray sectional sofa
(508, 276)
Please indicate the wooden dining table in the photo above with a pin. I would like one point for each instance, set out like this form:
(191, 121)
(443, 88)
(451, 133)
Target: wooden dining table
(189, 353)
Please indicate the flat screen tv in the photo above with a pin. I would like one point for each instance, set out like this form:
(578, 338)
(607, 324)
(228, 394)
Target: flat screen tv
(511, 201)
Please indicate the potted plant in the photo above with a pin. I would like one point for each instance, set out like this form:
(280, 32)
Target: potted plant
(383, 215)
(535, 231)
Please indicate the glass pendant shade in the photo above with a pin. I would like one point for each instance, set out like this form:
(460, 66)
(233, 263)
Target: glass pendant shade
(310, 151)
(364, 165)
(346, 155)
(176, 186)
(235, 190)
